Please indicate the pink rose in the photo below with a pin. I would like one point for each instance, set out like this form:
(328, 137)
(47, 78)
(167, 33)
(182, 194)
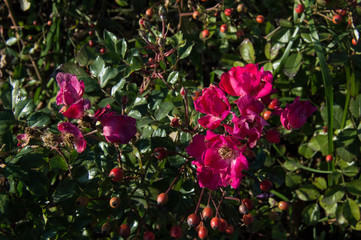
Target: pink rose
(248, 127)
(72, 136)
(76, 110)
(118, 128)
(215, 104)
(247, 80)
(295, 115)
(71, 89)
(219, 160)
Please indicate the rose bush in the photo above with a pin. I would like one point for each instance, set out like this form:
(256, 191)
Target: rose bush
(133, 119)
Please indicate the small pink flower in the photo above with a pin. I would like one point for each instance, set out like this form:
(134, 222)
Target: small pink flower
(71, 89)
(76, 110)
(72, 136)
(118, 128)
(215, 104)
(247, 80)
(295, 115)
(219, 160)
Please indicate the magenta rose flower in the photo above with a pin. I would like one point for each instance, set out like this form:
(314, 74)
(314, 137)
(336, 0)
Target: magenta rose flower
(118, 128)
(219, 160)
(295, 115)
(215, 104)
(248, 127)
(76, 110)
(71, 89)
(72, 136)
(247, 80)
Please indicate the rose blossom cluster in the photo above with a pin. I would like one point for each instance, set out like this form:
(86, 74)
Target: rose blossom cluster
(219, 158)
(116, 128)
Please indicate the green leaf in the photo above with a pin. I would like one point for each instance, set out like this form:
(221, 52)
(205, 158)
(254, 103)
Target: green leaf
(305, 151)
(351, 211)
(354, 187)
(292, 65)
(333, 195)
(23, 108)
(247, 51)
(319, 143)
(267, 50)
(64, 190)
(184, 52)
(25, 5)
(292, 180)
(6, 119)
(311, 214)
(173, 77)
(97, 67)
(307, 193)
(107, 74)
(320, 183)
(11, 41)
(58, 162)
(4, 200)
(163, 109)
(330, 209)
(39, 119)
(117, 87)
(86, 56)
(122, 47)
(355, 106)
(110, 41)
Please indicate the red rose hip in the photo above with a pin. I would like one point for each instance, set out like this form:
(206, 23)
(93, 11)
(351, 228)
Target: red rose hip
(176, 232)
(266, 185)
(116, 174)
(124, 230)
(299, 8)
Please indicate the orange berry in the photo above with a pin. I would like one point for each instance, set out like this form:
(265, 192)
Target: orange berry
(162, 199)
(205, 33)
(336, 19)
(202, 232)
(267, 115)
(329, 158)
(114, 202)
(354, 41)
(283, 205)
(228, 12)
(193, 220)
(224, 28)
(207, 213)
(196, 15)
(216, 223)
(260, 19)
(149, 12)
(248, 219)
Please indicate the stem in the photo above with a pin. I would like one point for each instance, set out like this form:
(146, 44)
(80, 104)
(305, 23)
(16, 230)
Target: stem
(209, 197)
(11, 16)
(300, 165)
(280, 195)
(176, 178)
(199, 201)
(119, 155)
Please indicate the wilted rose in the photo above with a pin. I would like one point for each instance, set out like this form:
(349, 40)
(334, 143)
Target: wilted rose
(295, 115)
(72, 136)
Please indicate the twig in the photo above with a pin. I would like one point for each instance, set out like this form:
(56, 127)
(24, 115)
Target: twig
(11, 16)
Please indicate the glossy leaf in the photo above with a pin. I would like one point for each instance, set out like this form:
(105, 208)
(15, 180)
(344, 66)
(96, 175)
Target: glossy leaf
(247, 51)
(307, 193)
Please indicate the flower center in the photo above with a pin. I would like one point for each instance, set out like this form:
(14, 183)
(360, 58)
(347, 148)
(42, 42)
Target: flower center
(68, 139)
(225, 152)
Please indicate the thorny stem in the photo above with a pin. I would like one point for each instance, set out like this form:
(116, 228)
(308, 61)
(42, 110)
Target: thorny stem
(11, 16)
(89, 133)
(209, 197)
(219, 204)
(199, 201)
(206, 10)
(186, 117)
(119, 155)
(175, 180)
